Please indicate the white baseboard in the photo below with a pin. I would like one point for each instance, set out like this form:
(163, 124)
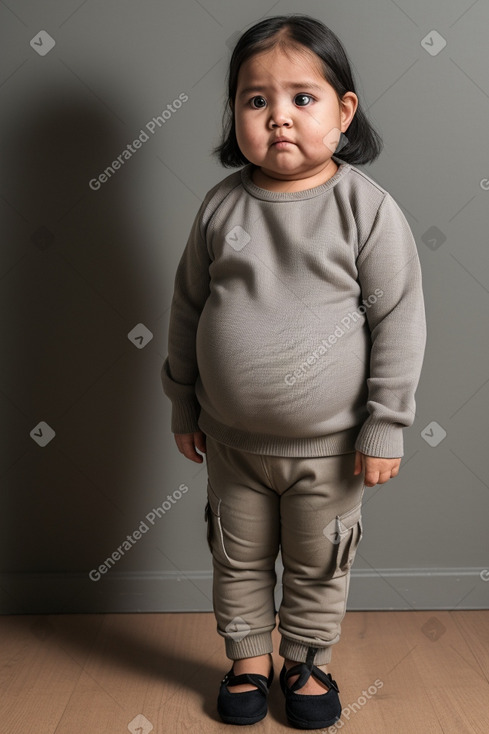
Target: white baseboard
(382, 589)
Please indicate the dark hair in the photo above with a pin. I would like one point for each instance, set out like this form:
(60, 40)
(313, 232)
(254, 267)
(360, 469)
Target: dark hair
(362, 145)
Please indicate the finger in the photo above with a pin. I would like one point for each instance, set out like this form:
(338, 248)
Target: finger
(388, 474)
(358, 463)
(371, 478)
(200, 441)
(185, 443)
(192, 453)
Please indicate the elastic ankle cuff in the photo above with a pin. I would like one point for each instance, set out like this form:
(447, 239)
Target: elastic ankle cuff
(249, 647)
(297, 651)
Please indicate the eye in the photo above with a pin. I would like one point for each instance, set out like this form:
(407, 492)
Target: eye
(299, 99)
(258, 102)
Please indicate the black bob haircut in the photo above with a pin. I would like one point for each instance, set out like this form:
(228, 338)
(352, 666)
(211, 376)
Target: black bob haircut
(362, 145)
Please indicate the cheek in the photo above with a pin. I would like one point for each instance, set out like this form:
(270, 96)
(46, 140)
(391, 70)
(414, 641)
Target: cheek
(239, 129)
(332, 138)
(246, 133)
(322, 133)
(321, 121)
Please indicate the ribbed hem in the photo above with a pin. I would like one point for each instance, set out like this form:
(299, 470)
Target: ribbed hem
(293, 650)
(381, 438)
(250, 646)
(342, 442)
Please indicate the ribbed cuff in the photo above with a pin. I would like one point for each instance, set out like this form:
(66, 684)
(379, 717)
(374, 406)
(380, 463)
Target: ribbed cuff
(249, 647)
(293, 650)
(184, 416)
(380, 438)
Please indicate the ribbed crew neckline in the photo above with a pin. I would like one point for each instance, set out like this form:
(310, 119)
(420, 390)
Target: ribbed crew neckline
(267, 195)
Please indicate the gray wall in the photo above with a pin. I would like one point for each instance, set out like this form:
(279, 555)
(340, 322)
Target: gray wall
(83, 269)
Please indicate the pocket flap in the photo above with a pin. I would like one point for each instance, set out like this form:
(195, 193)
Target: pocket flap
(348, 519)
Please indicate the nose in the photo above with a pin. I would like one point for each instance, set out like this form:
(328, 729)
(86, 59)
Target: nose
(285, 123)
(279, 117)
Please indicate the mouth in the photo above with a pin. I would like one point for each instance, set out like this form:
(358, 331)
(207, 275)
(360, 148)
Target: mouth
(282, 142)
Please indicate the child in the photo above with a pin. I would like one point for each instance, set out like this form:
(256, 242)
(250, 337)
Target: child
(296, 341)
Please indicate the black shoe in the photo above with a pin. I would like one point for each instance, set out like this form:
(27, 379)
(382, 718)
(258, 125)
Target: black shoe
(310, 712)
(247, 707)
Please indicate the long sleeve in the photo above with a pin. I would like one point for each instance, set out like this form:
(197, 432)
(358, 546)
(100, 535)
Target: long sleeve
(388, 261)
(191, 290)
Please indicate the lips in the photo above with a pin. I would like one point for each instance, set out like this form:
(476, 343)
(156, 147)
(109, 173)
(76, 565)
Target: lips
(281, 140)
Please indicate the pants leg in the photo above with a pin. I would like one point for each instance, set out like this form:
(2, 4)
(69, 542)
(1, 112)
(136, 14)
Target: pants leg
(243, 531)
(320, 531)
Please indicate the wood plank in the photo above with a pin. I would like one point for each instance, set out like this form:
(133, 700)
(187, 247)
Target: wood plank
(38, 680)
(375, 653)
(449, 670)
(474, 627)
(397, 672)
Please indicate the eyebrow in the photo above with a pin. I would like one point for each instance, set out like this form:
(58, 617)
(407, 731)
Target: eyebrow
(289, 85)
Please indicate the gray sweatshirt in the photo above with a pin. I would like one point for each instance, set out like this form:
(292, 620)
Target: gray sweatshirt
(297, 325)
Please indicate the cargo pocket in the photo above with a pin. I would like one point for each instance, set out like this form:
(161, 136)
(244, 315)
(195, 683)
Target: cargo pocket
(215, 539)
(349, 533)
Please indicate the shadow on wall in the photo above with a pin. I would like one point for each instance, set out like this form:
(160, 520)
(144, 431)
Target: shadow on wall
(72, 288)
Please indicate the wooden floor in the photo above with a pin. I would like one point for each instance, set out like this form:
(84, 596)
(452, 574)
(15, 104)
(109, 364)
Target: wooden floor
(398, 673)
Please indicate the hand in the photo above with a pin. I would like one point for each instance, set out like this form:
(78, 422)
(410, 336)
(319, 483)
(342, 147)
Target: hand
(377, 470)
(188, 442)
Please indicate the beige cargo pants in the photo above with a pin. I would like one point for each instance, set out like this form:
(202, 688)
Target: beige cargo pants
(310, 509)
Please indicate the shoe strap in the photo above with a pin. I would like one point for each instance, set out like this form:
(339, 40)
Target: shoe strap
(256, 679)
(304, 671)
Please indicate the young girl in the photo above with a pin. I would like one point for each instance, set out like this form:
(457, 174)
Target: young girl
(296, 341)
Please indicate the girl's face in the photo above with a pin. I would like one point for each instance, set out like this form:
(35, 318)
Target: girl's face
(285, 96)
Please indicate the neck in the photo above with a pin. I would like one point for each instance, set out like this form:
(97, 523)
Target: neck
(265, 181)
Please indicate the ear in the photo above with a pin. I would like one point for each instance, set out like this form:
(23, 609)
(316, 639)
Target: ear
(349, 104)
